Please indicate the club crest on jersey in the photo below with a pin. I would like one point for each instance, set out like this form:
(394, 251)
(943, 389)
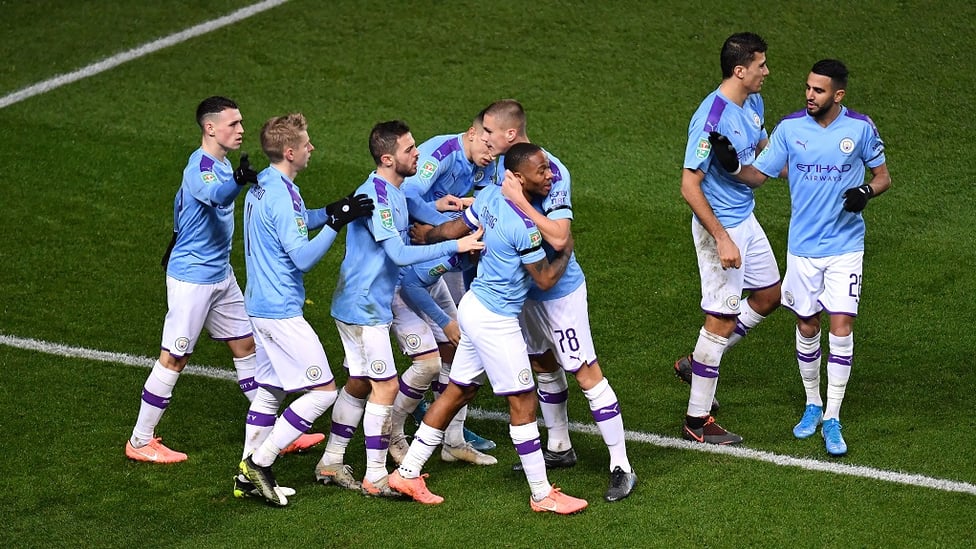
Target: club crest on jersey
(302, 228)
(428, 169)
(182, 343)
(525, 377)
(479, 174)
(313, 373)
(704, 147)
(412, 341)
(386, 216)
(378, 367)
(208, 177)
(732, 302)
(846, 145)
(756, 120)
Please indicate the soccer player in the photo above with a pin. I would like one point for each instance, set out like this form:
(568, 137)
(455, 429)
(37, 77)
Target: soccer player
(491, 339)
(201, 289)
(278, 252)
(362, 307)
(556, 320)
(426, 327)
(733, 252)
(825, 149)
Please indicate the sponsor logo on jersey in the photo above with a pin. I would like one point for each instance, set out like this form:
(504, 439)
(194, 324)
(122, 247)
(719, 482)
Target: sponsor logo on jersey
(208, 177)
(386, 216)
(704, 147)
(846, 145)
(378, 367)
(428, 169)
(313, 373)
(302, 229)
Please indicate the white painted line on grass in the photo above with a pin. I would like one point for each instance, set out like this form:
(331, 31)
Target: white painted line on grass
(944, 485)
(135, 53)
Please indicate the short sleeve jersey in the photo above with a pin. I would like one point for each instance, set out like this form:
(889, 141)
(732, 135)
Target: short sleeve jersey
(731, 200)
(204, 230)
(275, 223)
(511, 241)
(823, 163)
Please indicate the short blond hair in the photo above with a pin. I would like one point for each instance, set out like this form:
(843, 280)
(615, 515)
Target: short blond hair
(281, 132)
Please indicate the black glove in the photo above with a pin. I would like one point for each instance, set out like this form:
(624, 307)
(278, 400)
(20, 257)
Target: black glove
(348, 208)
(244, 174)
(725, 153)
(856, 198)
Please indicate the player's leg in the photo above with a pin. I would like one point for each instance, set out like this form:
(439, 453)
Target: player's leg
(377, 364)
(760, 277)
(347, 413)
(188, 307)
(803, 286)
(228, 322)
(552, 386)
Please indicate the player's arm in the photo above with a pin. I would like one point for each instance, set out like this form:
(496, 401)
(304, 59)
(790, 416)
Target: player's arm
(691, 190)
(554, 231)
(728, 158)
(545, 273)
(451, 230)
(856, 198)
(404, 255)
(419, 299)
(420, 209)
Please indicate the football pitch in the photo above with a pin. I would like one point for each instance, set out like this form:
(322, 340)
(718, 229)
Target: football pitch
(96, 123)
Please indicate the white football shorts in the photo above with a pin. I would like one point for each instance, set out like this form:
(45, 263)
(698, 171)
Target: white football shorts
(491, 345)
(217, 307)
(289, 354)
(562, 325)
(368, 351)
(722, 289)
(814, 284)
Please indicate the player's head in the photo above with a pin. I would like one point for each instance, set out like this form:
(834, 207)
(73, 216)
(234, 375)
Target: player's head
(285, 138)
(477, 150)
(394, 148)
(530, 165)
(744, 57)
(826, 87)
(503, 124)
(221, 122)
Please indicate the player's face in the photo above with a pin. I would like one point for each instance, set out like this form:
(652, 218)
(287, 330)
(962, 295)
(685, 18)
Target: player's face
(755, 73)
(822, 98)
(478, 150)
(405, 159)
(494, 136)
(303, 152)
(536, 175)
(227, 128)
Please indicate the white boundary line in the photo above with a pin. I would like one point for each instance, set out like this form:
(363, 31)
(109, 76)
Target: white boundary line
(135, 53)
(944, 485)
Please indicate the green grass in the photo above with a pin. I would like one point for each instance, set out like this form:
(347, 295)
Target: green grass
(91, 168)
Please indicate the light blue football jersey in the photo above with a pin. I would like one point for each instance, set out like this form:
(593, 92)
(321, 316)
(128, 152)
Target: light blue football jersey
(731, 200)
(276, 224)
(415, 281)
(823, 163)
(511, 241)
(368, 274)
(203, 219)
(442, 169)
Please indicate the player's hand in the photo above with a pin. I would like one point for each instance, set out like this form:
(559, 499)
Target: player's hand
(418, 233)
(855, 199)
(244, 174)
(347, 209)
(471, 242)
(512, 190)
(453, 332)
(728, 253)
(449, 203)
(724, 152)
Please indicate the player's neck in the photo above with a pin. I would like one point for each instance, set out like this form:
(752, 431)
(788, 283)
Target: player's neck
(828, 116)
(390, 176)
(286, 169)
(733, 91)
(213, 149)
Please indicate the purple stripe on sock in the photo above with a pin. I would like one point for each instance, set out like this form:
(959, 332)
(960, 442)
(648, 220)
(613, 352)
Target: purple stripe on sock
(296, 420)
(703, 370)
(808, 357)
(527, 447)
(411, 392)
(740, 328)
(437, 386)
(381, 442)
(606, 412)
(344, 431)
(155, 400)
(247, 384)
(842, 360)
(553, 398)
(259, 419)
